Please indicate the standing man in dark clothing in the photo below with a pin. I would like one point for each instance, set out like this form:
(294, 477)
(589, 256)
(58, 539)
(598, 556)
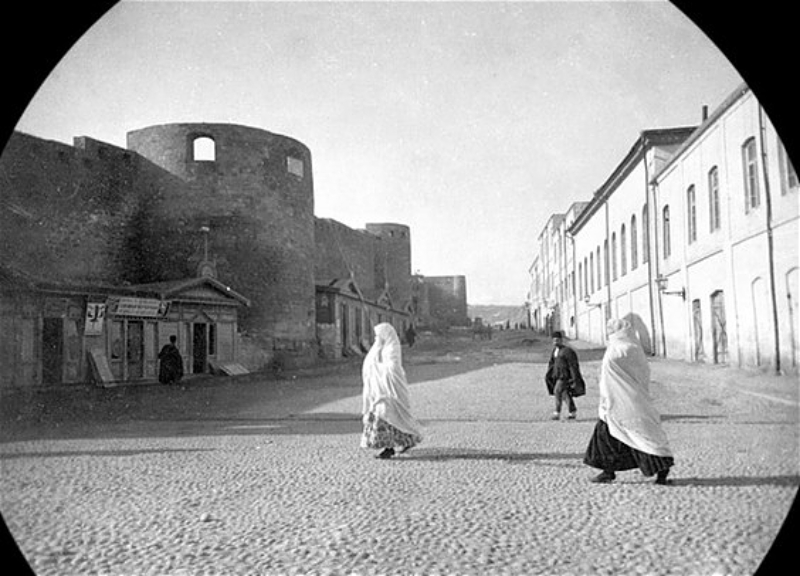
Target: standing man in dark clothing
(411, 335)
(563, 378)
(171, 369)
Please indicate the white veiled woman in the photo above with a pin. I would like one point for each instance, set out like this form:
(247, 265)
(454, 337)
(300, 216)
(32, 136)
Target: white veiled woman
(628, 433)
(386, 409)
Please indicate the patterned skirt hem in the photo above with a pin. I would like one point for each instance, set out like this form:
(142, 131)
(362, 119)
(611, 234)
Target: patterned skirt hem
(379, 434)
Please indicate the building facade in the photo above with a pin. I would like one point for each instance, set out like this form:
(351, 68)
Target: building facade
(65, 333)
(222, 201)
(694, 238)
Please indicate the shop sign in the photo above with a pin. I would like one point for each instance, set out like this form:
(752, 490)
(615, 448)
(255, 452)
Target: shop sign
(142, 307)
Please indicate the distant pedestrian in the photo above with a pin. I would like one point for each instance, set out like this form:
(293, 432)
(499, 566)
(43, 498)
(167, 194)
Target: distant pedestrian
(171, 369)
(563, 377)
(628, 434)
(411, 335)
(386, 408)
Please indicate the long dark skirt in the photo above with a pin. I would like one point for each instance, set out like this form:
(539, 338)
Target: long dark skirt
(608, 453)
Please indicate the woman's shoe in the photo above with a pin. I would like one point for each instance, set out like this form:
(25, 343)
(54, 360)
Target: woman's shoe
(604, 477)
(662, 480)
(386, 454)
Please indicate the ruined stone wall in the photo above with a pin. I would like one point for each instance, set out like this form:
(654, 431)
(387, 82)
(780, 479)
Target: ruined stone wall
(65, 210)
(340, 249)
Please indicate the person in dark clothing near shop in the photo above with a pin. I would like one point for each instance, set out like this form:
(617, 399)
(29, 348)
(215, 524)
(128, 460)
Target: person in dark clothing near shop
(563, 377)
(171, 369)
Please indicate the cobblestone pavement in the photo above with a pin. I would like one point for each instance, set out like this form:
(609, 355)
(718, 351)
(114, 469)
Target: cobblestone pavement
(276, 483)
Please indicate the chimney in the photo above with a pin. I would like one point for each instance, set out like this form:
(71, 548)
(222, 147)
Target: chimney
(705, 112)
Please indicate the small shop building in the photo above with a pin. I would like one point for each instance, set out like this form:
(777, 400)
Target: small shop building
(54, 334)
(346, 316)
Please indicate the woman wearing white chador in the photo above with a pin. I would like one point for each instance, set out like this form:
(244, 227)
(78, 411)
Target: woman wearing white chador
(628, 433)
(386, 408)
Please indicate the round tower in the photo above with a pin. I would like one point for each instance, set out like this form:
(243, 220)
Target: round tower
(251, 193)
(393, 260)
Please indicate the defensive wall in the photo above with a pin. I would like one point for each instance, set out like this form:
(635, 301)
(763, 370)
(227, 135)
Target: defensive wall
(182, 200)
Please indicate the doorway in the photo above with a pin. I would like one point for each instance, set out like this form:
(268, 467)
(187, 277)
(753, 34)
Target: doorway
(134, 349)
(199, 348)
(697, 326)
(719, 333)
(52, 351)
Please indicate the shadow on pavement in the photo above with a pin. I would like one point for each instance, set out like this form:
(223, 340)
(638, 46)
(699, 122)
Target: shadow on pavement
(739, 481)
(443, 455)
(688, 417)
(104, 453)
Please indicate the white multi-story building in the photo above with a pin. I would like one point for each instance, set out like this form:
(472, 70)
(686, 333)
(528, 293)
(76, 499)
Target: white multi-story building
(694, 238)
(727, 208)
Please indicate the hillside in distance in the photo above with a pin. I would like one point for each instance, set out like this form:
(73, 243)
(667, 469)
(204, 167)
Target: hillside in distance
(498, 313)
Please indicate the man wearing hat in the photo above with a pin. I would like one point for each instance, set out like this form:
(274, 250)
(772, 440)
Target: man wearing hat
(563, 377)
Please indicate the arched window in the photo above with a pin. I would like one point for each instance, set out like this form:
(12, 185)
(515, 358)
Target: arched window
(713, 199)
(623, 252)
(204, 149)
(586, 276)
(605, 261)
(752, 197)
(634, 244)
(645, 236)
(599, 270)
(667, 247)
(691, 214)
(613, 255)
(580, 280)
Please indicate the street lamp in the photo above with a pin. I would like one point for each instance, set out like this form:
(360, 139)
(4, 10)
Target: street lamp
(589, 304)
(663, 282)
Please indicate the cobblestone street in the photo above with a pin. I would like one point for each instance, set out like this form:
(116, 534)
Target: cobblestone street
(267, 478)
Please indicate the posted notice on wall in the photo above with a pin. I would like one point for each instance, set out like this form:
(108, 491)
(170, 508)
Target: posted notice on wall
(95, 316)
(142, 307)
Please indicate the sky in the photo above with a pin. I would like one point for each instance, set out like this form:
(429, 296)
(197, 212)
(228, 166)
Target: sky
(470, 122)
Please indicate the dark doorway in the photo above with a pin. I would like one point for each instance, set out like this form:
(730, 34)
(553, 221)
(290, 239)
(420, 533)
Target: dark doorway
(134, 349)
(52, 351)
(345, 328)
(199, 349)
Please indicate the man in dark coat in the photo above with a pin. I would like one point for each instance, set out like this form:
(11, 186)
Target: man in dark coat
(563, 378)
(171, 369)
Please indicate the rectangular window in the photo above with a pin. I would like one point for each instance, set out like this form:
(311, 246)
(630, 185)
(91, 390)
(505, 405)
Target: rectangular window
(634, 244)
(667, 247)
(750, 166)
(294, 166)
(623, 252)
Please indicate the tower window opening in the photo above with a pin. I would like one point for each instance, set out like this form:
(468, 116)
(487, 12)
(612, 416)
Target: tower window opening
(294, 166)
(204, 149)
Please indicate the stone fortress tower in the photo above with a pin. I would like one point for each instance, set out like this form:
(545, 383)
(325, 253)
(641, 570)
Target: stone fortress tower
(247, 204)
(393, 260)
